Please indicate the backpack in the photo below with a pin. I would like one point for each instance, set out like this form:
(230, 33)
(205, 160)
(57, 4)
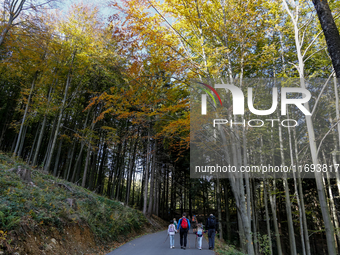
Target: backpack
(171, 228)
(199, 232)
(211, 223)
(184, 223)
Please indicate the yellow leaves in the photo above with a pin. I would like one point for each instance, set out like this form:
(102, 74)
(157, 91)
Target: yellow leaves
(109, 128)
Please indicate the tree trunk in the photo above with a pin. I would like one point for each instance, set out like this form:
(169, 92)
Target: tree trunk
(219, 210)
(146, 173)
(93, 171)
(337, 143)
(101, 175)
(265, 197)
(334, 49)
(25, 114)
(332, 204)
(56, 164)
(22, 140)
(88, 155)
(330, 31)
(227, 213)
(152, 182)
(132, 165)
(68, 82)
(41, 132)
(287, 198)
(70, 161)
(296, 191)
(33, 145)
(302, 201)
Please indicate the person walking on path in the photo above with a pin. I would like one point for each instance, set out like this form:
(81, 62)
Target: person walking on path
(183, 226)
(194, 224)
(211, 226)
(171, 232)
(175, 222)
(199, 236)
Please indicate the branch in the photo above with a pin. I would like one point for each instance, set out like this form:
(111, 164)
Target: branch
(311, 43)
(326, 136)
(323, 88)
(314, 53)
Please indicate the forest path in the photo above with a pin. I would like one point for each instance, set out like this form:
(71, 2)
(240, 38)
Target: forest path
(155, 244)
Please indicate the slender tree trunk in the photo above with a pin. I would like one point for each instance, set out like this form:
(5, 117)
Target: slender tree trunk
(57, 159)
(152, 181)
(287, 198)
(93, 171)
(332, 204)
(337, 143)
(272, 198)
(33, 145)
(296, 191)
(68, 82)
(334, 49)
(302, 201)
(132, 165)
(146, 173)
(88, 155)
(69, 151)
(227, 213)
(254, 218)
(75, 169)
(70, 162)
(219, 210)
(267, 215)
(49, 142)
(141, 201)
(41, 132)
(22, 141)
(101, 176)
(265, 197)
(25, 114)
(5, 126)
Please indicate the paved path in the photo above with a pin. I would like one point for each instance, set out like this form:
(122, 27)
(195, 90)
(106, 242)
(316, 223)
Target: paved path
(153, 244)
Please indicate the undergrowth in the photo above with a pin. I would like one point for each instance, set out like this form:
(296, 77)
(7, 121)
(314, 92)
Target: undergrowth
(222, 248)
(24, 207)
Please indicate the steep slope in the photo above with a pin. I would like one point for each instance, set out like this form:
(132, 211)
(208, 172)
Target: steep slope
(47, 215)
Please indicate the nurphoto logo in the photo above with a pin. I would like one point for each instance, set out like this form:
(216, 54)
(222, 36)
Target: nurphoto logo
(225, 115)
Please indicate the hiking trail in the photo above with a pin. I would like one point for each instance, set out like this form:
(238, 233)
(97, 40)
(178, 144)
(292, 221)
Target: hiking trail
(155, 244)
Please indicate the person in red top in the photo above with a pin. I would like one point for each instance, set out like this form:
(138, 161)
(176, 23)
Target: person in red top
(183, 226)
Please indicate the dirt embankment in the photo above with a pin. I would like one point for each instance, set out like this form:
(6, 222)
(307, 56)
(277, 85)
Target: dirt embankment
(73, 240)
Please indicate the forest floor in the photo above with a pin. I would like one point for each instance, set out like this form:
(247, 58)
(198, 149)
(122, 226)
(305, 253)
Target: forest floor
(48, 215)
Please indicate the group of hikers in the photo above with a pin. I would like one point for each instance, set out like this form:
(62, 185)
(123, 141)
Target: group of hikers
(183, 226)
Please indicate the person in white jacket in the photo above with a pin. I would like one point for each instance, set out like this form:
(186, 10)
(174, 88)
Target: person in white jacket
(171, 232)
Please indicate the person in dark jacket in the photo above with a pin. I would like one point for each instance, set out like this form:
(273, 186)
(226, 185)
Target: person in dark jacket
(211, 226)
(183, 226)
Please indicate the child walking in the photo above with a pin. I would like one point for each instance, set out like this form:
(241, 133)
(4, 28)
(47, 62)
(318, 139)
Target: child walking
(199, 235)
(171, 232)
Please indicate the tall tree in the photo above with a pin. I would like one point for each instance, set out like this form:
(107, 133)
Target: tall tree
(330, 31)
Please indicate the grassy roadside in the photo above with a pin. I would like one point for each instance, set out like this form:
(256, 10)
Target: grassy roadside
(221, 248)
(52, 214)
